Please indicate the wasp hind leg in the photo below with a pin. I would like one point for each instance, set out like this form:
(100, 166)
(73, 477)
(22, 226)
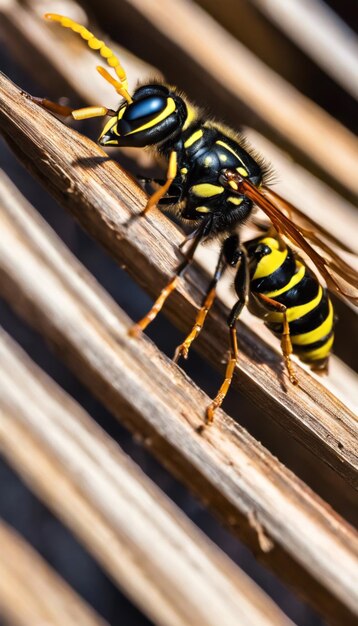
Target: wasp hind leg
(241, 286)
(286, 344)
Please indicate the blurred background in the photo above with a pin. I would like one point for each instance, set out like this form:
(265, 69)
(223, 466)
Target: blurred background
(260, 42)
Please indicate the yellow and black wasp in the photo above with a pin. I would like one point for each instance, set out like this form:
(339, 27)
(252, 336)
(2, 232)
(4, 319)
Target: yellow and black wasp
(213, 181)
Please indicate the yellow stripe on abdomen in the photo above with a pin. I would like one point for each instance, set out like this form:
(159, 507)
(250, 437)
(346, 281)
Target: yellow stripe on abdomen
(295, 312)
(317, 333)
(319, 353)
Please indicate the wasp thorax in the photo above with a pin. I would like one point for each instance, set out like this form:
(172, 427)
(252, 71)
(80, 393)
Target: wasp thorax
(156, 115)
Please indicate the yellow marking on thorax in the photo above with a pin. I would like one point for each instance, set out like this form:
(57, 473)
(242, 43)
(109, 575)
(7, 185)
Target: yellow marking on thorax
(169, 109)
(193, 138)
(202, 209)
(206, 190)
(242, 171)
(227, 147)
(208, 161)
(184, 170)
(235, 200)
(317, 333)
(319, 353)
(296, 278)
(295, 312)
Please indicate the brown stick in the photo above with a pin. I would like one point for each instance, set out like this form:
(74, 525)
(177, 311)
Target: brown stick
(234, 474)
(106, 202)
(153, 552)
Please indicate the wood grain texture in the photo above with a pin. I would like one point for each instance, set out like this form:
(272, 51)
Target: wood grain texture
(291, 529)
(108, 204)
(66, 67)
(143, 541)
(31, 593)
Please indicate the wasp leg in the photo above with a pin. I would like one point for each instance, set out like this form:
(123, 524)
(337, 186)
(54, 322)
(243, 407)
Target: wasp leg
(167, 290)
(168, 199)
(183, 349)
(322, 367)
(241, 286)
(77, 114)
(228, 256)
(171, 174)
(286, 344)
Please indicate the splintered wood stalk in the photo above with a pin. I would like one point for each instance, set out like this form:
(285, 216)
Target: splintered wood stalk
(143, 541)
(292, 530)
(108, 204)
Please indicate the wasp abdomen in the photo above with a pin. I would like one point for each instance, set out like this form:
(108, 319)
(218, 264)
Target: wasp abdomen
(279, 276)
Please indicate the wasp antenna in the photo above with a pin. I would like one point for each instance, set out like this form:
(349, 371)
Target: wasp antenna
(98, 45)
(118, 85)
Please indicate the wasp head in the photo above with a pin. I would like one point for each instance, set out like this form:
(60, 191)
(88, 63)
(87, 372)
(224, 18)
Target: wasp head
(154, 116)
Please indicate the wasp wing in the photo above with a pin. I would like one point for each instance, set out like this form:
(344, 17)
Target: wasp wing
(306, 224)
(339, 275)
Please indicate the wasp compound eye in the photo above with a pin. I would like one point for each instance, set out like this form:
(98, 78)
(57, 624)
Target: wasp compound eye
(146, 108)
(142, 115)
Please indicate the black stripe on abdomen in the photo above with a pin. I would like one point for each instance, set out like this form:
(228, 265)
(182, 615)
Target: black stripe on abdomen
(305, 291)
(307, 322)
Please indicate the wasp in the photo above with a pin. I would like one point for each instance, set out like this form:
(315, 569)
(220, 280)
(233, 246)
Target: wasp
(213, 181)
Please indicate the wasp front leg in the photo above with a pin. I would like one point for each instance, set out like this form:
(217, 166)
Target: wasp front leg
(160, 193)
